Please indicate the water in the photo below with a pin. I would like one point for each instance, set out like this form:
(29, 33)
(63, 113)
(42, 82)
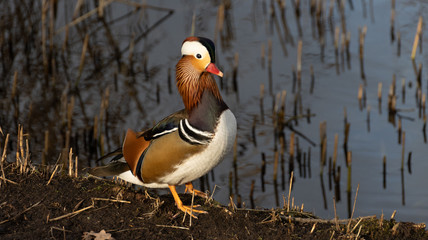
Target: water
(251, 28)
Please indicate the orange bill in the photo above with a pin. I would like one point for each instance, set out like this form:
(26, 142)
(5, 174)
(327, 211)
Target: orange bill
(212, 68)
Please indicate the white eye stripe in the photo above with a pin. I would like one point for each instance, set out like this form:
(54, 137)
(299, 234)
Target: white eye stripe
(194, 48)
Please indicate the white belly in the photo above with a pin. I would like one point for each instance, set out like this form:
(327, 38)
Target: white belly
(201, 163)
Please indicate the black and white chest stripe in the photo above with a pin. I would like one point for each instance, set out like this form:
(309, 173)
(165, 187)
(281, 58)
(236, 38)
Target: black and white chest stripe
(193, 135)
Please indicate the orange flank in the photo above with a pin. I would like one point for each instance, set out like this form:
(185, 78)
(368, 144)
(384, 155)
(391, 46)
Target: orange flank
(132, 149)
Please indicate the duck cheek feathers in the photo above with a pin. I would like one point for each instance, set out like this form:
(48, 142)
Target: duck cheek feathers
(201, 64)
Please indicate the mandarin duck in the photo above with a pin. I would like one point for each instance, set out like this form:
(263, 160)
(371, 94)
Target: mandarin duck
(186, 144)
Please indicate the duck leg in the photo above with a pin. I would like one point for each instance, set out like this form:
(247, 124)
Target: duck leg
(191, 190)
(184, 208)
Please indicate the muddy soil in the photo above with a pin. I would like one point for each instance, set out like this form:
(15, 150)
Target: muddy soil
(32, 207)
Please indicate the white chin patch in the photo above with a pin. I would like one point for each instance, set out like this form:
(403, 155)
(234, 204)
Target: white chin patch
(193, 48)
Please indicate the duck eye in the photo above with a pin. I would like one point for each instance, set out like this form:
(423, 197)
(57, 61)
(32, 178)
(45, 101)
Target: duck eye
(198, 56)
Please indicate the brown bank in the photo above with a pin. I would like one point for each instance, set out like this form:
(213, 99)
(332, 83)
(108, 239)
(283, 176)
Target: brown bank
(37, 205)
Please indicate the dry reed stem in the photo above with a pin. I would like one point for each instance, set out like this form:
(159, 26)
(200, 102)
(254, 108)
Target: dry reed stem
(360, 93)
(44, 53)
(7, 180)
(322, 221)
(417, 35)
(83, 17)
(356, 225)
(335, 214)
(379, 91)
(299, 63)
(72, 214)
(77, 8)
(359, 231)
(101, 8)
(275, 166)
(82, 57)
(381, 219)
(14, 85)
(65, 43)
(171, 226)
(331, 8)
(3, 157)
(289, 191)
(193, 26)
(220, 21)
(402, 149)
(332, 234)
(70, 162)
(315, 224)
(110, 200)
(53, 173)
(353, 208)
(336, 142)
(393, 214)
(46, 148)
(75, 167)
(191, 208)
(262, 55)
(270, 65)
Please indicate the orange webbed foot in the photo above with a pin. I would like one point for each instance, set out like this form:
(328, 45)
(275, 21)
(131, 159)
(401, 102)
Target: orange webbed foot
(191, 190)
(187, 209)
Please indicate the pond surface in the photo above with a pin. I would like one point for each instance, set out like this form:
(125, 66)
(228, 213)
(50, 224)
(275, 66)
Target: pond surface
(138, 94)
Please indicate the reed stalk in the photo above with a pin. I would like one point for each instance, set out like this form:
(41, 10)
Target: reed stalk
(417, 36)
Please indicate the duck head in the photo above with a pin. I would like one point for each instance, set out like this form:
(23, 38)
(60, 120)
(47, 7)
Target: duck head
(194, 69)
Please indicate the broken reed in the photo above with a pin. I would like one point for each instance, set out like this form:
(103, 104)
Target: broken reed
(379, 96)
(263, 171)
(288, 36)
(311, 68)
(336, 142)
(299, 65)
(402, 149)
(361, 35)
(274, 20)
(368, 118)
(349, 161)
(417, 37)
(403, 90)
(323, 145)
(235, 75)
(262, 94)
(253, 131)
(219, 22)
